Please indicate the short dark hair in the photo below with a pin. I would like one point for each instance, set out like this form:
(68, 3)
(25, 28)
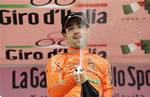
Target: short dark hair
(74, 17)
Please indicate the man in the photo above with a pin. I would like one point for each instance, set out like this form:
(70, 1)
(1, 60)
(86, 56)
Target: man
(78, 73)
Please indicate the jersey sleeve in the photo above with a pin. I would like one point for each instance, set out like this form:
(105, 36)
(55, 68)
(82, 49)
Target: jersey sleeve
(107, 80)
(56, 86)
(106, 77)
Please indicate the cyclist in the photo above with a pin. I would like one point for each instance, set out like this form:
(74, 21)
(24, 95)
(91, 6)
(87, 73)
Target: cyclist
(78, 73)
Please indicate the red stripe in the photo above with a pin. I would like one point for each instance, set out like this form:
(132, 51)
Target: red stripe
(138, 44)
(141, 3)
(97, 45)
(92, 5)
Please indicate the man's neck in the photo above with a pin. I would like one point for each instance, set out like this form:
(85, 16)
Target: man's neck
(72, 50)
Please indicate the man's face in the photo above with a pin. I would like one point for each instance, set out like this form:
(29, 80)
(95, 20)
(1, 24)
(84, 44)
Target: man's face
(77, 35)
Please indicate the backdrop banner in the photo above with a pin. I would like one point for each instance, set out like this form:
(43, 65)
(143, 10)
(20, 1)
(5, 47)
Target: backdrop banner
(30, 29)
(129, 80)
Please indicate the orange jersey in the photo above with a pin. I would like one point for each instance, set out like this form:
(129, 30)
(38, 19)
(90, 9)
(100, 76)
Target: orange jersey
(59, 73)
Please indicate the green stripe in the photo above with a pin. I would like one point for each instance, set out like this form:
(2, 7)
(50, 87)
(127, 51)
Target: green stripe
(146, 46)
(16, 6)
(147, 4)
(127, 9)
(22, 46)
(125, 49)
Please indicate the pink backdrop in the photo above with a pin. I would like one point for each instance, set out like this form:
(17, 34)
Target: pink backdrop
(110, 28)
(17, 81)
(27, 31)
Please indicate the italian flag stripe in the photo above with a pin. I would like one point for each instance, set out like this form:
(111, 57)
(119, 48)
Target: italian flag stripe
(130, 8)
(128, 48)
(135, 6)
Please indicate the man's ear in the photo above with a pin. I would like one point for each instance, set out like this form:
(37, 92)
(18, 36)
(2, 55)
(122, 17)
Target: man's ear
(64, 34)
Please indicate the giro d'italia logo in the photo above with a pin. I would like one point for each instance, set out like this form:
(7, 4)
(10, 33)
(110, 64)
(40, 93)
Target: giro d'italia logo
(135, 6)
(56, 4)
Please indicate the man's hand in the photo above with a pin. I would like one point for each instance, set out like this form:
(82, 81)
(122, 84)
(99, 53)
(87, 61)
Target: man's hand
(79, 74)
